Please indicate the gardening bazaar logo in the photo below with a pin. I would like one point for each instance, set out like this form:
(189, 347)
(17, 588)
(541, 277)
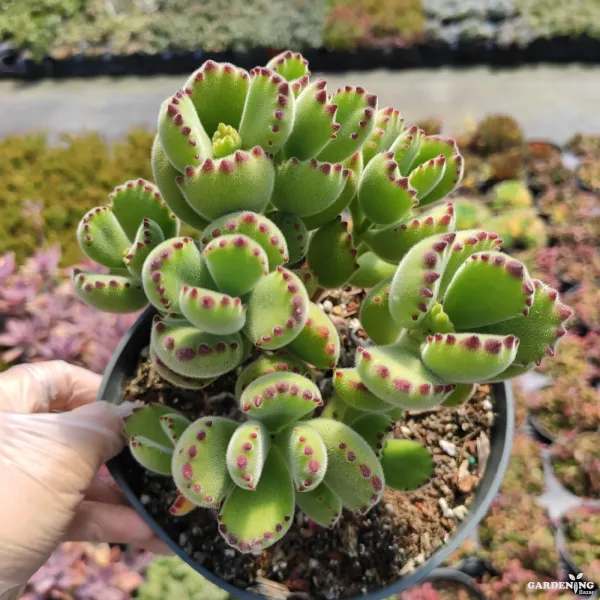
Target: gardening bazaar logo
(575, 583)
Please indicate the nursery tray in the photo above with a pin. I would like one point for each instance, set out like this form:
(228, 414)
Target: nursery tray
(123, 365)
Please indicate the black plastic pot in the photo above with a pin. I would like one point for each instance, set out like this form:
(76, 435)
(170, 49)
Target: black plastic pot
(456, 577)
(541, 433)
(126, 470)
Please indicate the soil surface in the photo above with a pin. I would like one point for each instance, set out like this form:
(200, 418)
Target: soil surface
(361, 552)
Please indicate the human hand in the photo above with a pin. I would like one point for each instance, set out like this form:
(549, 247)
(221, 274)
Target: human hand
(54, 437)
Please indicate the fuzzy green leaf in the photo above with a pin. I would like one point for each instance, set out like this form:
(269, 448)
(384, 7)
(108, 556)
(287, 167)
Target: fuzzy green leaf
(305, 454)
(461, 394)
(385, 197)
(171, 265)
(133, 201)
(374, 429)
(393, 242)
(241, 181)
(295, 233)
(269, 111)
(258, 228)
(375, 316)
(356, 117)
(278, 399)
(101, 237)
(254, 520)
(415, 285)
(165, 175)
(181, 133)
(212, 311)
(540, 330)
(314, 122)
(353, 472)
(319, 342)
(277, 310)
(396, 374)
(371, 271)
(266, 364)
(247, 452)
(354, 166)
(321, 505)
(349, 387)
(468, 358)
(218, 92)
(335, 243)
(109, 293)
(407, 465)
(488, 288)
(236, 263)
(194, 353)
(307, 188)
(148, 236)
(388, 126)
(199, 464)
(186, 383)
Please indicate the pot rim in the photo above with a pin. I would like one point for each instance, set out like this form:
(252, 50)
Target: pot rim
(124, 360)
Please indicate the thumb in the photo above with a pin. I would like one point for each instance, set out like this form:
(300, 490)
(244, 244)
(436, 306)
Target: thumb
(63, 451)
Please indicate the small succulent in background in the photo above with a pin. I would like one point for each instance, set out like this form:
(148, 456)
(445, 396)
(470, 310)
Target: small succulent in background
(570, 404)
(518, 528)
(508, 195)
(582, 536)
(89, 572)
(470, 213)
(525, 471)
(576, 463)
(265, 164)
(589, 174)
(172, 579)
(495, 134)
(43, 318)
(520, 229)
(513, 584)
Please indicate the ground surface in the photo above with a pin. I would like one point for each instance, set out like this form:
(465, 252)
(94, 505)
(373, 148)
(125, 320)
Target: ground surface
(550, 102)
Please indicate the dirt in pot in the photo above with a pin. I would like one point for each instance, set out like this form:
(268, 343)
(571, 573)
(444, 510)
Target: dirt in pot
(361, 552)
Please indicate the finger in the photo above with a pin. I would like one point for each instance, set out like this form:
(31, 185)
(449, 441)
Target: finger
(99, 522)
(47, 386)
(105, 491)
(156, 546)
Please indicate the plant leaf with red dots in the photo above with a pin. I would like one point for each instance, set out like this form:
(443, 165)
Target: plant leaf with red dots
(353, 470)
(247, 452)
(279, 399)
(319, 342)
(199, 465)
(255, 519)
(468, 357)
(305, 454)
(489, 287)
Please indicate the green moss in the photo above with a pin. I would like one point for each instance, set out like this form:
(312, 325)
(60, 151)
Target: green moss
(63, 180)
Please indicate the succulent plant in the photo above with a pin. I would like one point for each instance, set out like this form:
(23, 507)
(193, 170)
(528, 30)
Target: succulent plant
(570, 404)
(169, 578)
(582, 536)
(470, 213)
(495, 134)
(520, 229)
(525, 471)
(517, 528)
(576, 463)
(508, 195)
(589, 174)
(256, 161)
(514, 583)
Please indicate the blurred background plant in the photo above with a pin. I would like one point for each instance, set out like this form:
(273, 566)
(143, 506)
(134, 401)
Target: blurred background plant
(582, 538)
(576, 463)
